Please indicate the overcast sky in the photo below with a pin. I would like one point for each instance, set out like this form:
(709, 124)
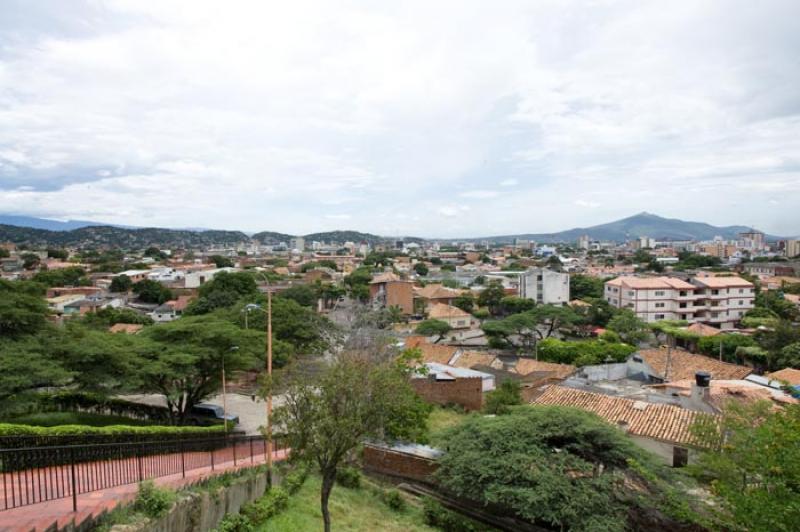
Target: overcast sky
(444, 118)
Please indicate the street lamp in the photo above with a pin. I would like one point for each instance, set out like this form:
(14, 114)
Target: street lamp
(246, 309)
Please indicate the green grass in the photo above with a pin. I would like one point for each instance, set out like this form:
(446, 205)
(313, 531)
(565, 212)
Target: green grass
(54, 419)
(442, 419)
(355, 510)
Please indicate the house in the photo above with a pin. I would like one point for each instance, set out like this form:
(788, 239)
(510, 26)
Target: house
(471, 359)
(389, 290)
(528, 366)
(453, 316)
(445, 385)
(668, 365)
(171, 310)
(544, 286)
(134, 275)
(434, 294)
(718, 394)
(85, 291)
(58, 303)
(717, 301)
(662, 429)
(435, 353)
(199, 278)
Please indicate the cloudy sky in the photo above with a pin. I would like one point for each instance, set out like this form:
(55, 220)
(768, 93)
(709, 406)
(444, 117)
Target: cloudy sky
(446, 118)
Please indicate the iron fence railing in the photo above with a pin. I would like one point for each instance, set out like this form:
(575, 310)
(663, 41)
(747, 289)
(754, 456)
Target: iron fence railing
(38, 474)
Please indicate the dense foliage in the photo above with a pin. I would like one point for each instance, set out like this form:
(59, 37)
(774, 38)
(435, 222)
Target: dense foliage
(556, 467)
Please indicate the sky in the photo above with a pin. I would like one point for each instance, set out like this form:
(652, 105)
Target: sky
(434, 119)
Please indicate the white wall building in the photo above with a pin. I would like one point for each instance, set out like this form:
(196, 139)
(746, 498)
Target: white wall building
(717, 301)
(545, 286)
(195, 279)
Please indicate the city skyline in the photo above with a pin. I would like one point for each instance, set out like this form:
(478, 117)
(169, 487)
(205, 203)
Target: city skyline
(444, 120)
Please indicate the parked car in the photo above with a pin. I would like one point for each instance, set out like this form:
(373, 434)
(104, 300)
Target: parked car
(208, 414)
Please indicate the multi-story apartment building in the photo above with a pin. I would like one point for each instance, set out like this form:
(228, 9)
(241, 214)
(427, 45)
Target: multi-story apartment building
(792, 248)
(716, 301)
(545, 286)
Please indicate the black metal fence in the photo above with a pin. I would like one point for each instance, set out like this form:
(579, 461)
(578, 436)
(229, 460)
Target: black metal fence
(38, 474)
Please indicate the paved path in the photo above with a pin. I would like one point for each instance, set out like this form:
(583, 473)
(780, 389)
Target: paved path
(40, 516)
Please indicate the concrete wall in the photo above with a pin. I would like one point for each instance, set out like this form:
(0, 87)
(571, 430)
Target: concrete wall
(466, 392)
(397, 464)
(201, 512)
(661, 449)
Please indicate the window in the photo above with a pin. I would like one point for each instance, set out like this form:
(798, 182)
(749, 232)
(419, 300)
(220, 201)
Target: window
(741, 301)
(660, 305)
(659, 316)
(715, 292)
(631, 293)
(659, 293)
(741, 290)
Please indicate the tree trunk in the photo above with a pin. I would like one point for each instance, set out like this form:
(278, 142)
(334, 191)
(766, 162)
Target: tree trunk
(328, 479)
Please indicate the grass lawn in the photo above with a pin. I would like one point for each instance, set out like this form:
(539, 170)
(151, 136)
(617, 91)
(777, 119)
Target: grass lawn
(52, 419)
(355, 510)
(442, 419)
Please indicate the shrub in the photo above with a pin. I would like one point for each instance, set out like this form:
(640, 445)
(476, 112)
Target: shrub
(394, 500)
(153, 501)
(348, 477)
(506, 395)
(274, 502)
(446, 520)
(294, 480)
(235, 523)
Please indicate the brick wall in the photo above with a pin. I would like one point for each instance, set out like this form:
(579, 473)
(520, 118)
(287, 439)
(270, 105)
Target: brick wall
(397, 464)
(467, 392)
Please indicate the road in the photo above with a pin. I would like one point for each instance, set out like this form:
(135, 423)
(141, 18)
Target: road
(252, 412)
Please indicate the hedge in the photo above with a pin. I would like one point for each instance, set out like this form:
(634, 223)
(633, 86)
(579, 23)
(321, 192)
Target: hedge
(583, 353)
(100, 404)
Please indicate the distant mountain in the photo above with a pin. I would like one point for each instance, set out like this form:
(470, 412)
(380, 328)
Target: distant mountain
(271, 238)
(44, 223)
(119, 237)
(642, 224)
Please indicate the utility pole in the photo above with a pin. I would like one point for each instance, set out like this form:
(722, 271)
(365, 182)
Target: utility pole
(269, 378)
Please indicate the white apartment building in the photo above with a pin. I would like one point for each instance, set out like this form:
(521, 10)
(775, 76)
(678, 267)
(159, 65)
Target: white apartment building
(544, 286)
(717, 301)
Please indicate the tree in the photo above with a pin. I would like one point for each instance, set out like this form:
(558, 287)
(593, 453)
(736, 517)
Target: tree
(421, 269)
(598, 313)
(789, 357)
(498, 401)
(709, 345)
(559, 468)
(220, 261)
(584, 286)
(527, 328)
(491, 296)
(465, 302)
(630, 328)
(150, 291)
(362, 395)
(358, 283)
(303, 294)
(223, 291)
(71, 276)
(55, 253)
(4, 253)
(515, 305)
(30, 261)
(22, 309)
(25, 366)
(121, 283)
(554, 263)
(433, 328)
(753, 465)
(777, 304)
(183, 359)
(106, 317)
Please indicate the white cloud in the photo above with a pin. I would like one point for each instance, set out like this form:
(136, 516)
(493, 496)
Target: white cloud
(267, 115)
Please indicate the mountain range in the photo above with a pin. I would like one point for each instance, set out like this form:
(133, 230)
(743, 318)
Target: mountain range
(74, 233)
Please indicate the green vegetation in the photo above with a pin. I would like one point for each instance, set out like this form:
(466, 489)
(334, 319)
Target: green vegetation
(121, 283)
(153, 501)
(355, 510)
(365, 393)
(432, 328)
(72, 276)
(629, 327)
(10, 429)
(583, 352)
(526, 329)
(150, 291)
(500, 400)
(421, 269)
(584, 286)
(54, 419)
(491, 296)
(562, 468)
(220, 261)
(446, 520)
(754, 468)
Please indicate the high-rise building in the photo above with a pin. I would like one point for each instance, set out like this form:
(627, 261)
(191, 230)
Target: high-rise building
(792, 248)
(583, 242)
(297, 243)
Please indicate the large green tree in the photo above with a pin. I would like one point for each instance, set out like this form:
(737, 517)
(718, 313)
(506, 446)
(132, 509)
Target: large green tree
(22, 308)
(492, 296)
(753, 465)
(585, 286)
(150, 291)
(560, 468)
(629, 327)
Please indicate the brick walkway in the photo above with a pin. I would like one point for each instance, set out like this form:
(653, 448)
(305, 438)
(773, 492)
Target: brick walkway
(41, 516)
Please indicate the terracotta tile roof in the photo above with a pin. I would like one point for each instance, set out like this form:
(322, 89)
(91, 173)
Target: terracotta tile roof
(129, 328)
(723, 391)
(649, 283)
(667, 423)
(790, 375)
(579, 303)
(470, 359)
(439, 310)
(526, 366)
(440, 354)
(415, 341)
(436, 291)
(385, 277)
(703, 330)
(723, 282)
(683, 365)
